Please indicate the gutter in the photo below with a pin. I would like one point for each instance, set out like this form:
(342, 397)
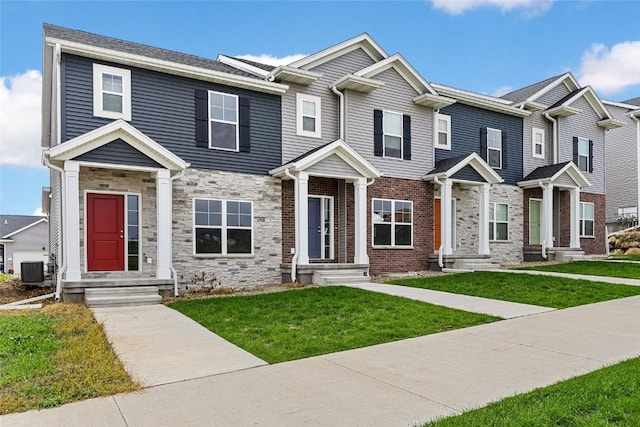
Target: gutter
(335, 90)
(296, 254)
(555, 136)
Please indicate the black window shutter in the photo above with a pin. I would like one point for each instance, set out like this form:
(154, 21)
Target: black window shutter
(504, 150)
(590, 156)
(406, 137)
(483, 143)
(244, 121)
(377, 133)
(202, 118)
(575, 150)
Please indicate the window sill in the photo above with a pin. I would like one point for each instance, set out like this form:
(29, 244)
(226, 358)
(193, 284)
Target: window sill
(587, 237)
(538, 157)
(210, 256)
(443, 147)
(392, 247)
(500, 241)
(400, 159)
(309, 134)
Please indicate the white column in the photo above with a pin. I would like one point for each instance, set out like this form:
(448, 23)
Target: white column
(547, 215)
(360, 221)
(483, 220)
(445, 217)
(163, 224)
(302, 217)
(574, 194)
(72, 221)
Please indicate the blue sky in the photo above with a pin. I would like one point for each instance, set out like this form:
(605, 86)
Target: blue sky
(487, 46)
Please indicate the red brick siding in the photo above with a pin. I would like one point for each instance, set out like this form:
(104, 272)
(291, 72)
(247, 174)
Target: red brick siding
(530, 193)
(288, 220)
(595, 245)
(565, 219)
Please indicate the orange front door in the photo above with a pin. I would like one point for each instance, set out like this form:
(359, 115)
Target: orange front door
(437, 234)
(105, 232)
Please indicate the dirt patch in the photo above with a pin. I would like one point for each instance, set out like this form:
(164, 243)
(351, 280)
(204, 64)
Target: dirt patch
(217, 292)
(14, 290)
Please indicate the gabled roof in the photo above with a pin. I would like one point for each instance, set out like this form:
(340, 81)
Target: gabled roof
(532, 92)
(548, 174)
(398, 63)
(446, 168)
(633, 101)
(563, 107)
(363, 41)
(118, 129)
(481, 101)
(243, 66)
(256, 64)
(10, 225)
(316, 155)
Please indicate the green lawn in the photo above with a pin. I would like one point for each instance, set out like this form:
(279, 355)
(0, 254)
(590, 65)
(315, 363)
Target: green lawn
(607, 397)
(630, 257)
(307, 322)
(594, 268)
(546, 291)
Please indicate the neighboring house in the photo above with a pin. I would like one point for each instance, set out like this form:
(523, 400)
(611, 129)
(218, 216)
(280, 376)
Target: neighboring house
(563, 167)
(23, 238)
(623, 165)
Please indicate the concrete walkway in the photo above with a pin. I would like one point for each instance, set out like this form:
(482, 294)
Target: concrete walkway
(159, 345)
(394, 384)
(605, 279)
(504, 309)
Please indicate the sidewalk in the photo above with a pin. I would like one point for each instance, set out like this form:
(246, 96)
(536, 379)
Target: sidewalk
(605, 279)
(395, 384)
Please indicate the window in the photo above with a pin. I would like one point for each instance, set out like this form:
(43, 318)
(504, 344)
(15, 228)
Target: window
(223, 121)
(308, 115)
(537, 143)
(583, 154)
(443, 127)
(111, 92)
(392, 134)
(586, 219)
(392, 223)
(133, 233)
(498, 221)
(222, 227)
(494, 148)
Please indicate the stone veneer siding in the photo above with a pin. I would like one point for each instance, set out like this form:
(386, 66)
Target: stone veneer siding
(261, 268)
(115, 181)
(382, 260)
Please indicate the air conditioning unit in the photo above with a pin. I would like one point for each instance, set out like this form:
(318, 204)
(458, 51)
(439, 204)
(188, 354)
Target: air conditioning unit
(32, 271)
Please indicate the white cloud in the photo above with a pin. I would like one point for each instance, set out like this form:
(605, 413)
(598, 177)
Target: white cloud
(38, 212)
(530, 8)
(610, 71)
(265, 58)
(502, 90)
(20, 118)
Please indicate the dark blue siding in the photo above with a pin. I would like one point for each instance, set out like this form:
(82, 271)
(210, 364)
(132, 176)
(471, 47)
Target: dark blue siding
(468, 173)
(119, 153)
(163, 108)
(466, 122)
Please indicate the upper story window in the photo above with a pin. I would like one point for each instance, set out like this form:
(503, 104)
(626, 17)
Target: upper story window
(583, 155)
(308, 115)
(392, 134)
(494, 148)
(111, 92)
(392, 223)
(498, 221)
(222, 227)
(537, 143)
(443, 131)
(586, 219)
(223, 121)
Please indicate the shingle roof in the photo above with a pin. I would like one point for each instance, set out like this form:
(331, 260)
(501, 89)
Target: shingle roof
(545, 171)
(446, 164)
(11, 223)
(124, 46)
(633, 101)
(260, 65)
(526, 92)
(564, 99)
(308, 153)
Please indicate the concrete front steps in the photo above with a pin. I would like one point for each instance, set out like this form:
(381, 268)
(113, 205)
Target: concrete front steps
(122, 296)
(339, 277)
(475, 264)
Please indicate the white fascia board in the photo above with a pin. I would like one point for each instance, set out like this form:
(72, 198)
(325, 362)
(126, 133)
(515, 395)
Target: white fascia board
(530, 106)
(567, 78)
(296, 75)
(26, 227)
(363, 41)
(481, 101)
(242, 66)
(358, 83)
(403, 68)
(563, 111)
(433, 101)
(444, 88)
(475, 161)
(574, 173)
(170, 67)
(609, 124)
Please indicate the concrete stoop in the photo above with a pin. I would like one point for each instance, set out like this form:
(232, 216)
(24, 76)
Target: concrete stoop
(475, 264)
(120, 297)
(339, 277)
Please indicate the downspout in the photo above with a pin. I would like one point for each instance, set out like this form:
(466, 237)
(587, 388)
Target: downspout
(174, 273)
(294, 259)
(544, 241)
(440, 250)
(341, 96)
(61, 239)
(555, 136)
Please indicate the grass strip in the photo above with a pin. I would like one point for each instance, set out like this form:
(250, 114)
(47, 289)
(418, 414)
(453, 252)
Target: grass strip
(301, 323)
(53, 356)
(607, 397)
(593, 268)
(545, 291)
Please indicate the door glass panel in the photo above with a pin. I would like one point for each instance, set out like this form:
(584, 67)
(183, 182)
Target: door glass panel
(534, 222)
(133, 234)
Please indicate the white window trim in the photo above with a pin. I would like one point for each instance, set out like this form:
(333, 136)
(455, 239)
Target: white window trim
(582, 220)
(580, 138)
(401, 136)
(300, 97)
(494, 149)
(392, 224)
(537, 131)
(236, 123)
(224, 228)
(98, 110)
(493, 222)
(447, 118)
(323, 234)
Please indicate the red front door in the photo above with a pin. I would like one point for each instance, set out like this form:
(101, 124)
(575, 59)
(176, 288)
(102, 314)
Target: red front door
(105, 232)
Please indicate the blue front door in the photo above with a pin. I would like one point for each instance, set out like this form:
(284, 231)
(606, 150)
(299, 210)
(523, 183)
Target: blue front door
(315, 233)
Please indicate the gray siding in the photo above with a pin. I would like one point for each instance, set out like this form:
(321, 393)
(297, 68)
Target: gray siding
(294, 145)
(466, 122)
(554, 95)
(32, 239)
(55, 213)
(163, 108)
(333, 165)
(583, 125)
(621, 164)
(564, 179)
(529, 162)
(120, 153)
